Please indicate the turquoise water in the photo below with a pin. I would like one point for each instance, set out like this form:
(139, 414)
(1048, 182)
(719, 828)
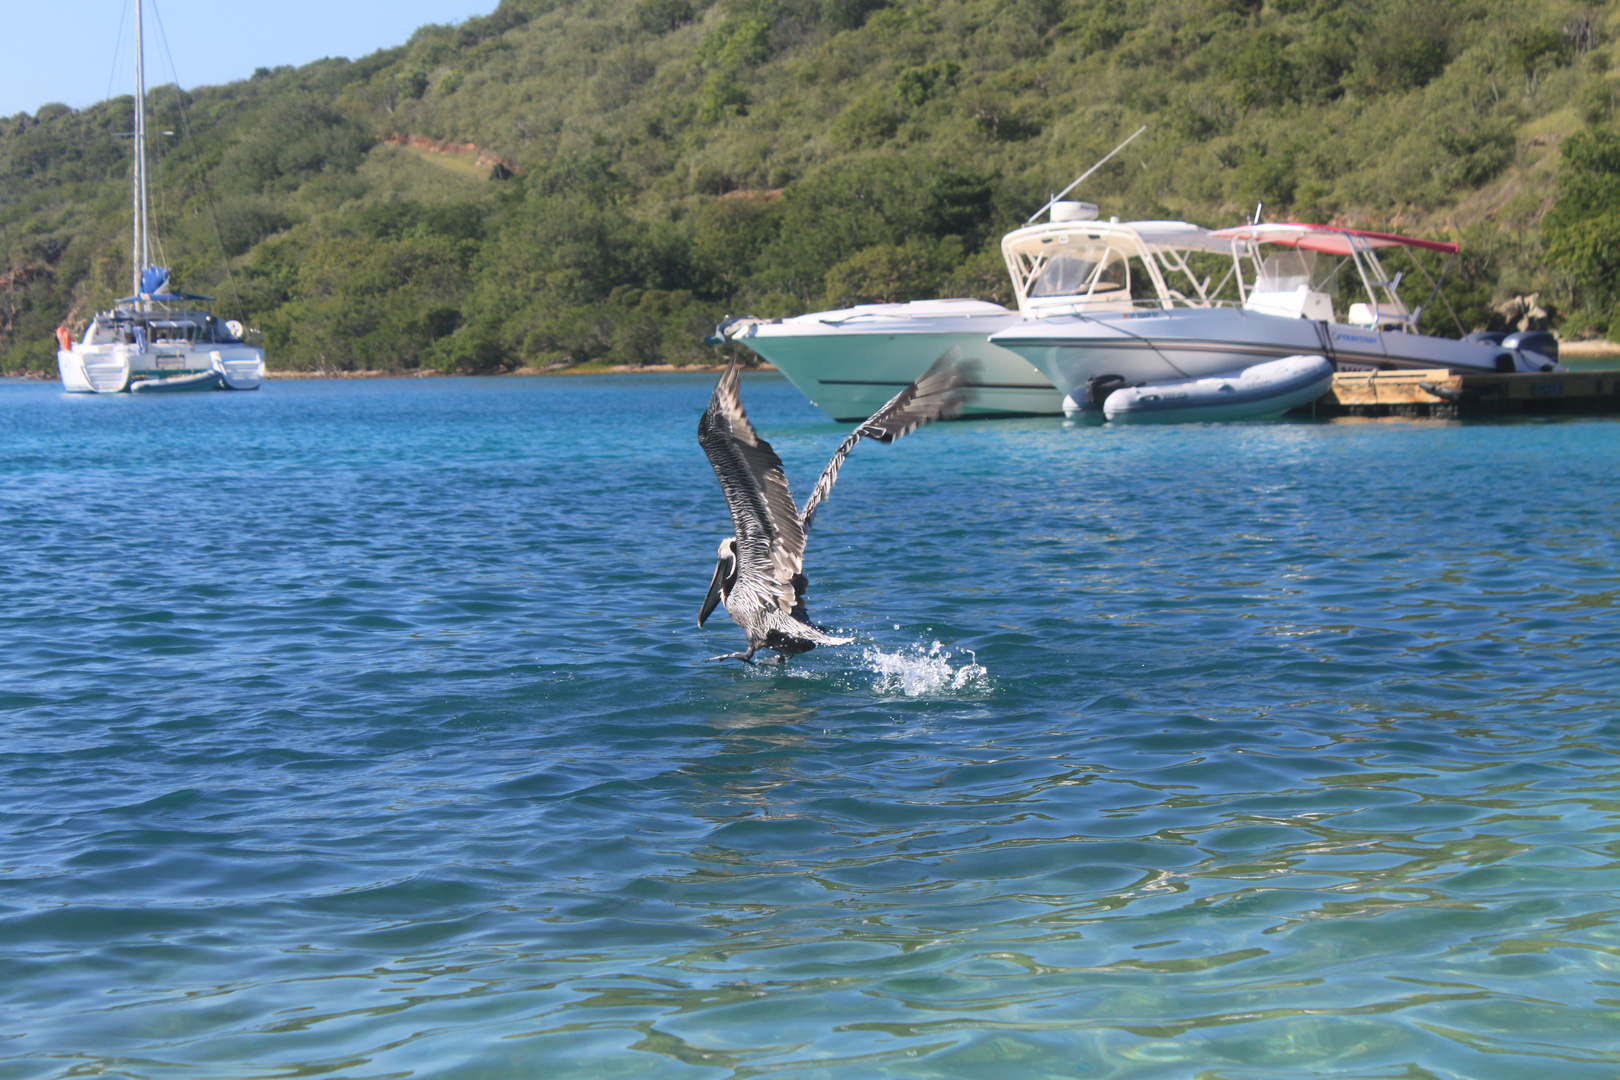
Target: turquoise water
(363, 729)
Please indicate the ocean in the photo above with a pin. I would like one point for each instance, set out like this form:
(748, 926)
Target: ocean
(364, 729)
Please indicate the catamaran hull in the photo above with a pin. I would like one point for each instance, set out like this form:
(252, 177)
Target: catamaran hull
(239, 369)
(94, 370)
(118, 369)
(71, 369)
(1159, 346)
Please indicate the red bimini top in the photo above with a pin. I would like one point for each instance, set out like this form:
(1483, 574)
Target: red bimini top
(1329, 239)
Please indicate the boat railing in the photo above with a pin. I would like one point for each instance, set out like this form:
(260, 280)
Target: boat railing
(1079, 305)
(897, 316)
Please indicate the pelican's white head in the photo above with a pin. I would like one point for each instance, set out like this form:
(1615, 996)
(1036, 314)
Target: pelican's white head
(725, 575)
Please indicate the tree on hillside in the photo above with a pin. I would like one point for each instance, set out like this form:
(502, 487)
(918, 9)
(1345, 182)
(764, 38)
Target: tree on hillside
(1582, 230)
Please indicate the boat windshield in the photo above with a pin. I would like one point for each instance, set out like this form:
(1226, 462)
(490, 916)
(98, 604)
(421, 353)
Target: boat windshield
(191, 328)
(1288, 270)
(173, 331)
(1090, 270)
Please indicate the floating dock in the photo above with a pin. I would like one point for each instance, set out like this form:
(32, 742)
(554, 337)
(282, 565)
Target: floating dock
(1444, 394)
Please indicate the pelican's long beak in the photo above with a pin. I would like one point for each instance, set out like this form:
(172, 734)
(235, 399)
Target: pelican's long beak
(722, 570)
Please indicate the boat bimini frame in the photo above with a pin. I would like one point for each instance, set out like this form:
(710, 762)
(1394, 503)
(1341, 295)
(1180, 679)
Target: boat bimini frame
(1074, 265)
(1289, 282)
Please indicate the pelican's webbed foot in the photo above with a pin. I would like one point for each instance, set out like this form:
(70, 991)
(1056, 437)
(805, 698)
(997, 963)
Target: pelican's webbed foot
(745, 657)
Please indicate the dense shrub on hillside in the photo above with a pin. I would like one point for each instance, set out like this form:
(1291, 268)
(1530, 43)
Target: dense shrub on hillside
(1582, 229)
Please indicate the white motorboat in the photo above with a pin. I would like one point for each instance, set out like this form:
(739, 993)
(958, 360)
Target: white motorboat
(157, 333)
(1123, 334)
(850, 361)
(1262, 392)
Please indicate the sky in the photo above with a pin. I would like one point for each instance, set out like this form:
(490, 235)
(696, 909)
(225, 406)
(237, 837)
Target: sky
(64, 50)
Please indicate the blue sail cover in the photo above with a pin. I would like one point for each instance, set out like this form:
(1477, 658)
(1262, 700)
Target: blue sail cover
(155, 286)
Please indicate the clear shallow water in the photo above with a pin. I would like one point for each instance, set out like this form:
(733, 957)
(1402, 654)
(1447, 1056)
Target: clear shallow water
(362, 729)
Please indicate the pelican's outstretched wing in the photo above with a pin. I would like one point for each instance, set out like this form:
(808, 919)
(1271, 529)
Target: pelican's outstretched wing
(940, 393)
(770, 540)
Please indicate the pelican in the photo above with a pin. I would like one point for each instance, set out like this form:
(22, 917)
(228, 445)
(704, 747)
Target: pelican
(759, 573)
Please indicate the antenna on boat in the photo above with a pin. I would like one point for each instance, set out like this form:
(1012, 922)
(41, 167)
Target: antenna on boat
(1083, 175)
(1257, 208)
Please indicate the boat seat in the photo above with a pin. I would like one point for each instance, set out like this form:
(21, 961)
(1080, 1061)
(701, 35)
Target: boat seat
(1299, 303)
(1389, 316)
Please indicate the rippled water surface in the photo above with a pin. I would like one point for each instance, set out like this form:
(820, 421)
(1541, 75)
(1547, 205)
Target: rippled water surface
(363, 729)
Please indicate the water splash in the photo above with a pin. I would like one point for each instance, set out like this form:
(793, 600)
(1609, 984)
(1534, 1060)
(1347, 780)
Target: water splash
(919, 670)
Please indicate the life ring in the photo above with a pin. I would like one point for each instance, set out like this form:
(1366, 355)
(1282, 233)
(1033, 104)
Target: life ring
(64, 338)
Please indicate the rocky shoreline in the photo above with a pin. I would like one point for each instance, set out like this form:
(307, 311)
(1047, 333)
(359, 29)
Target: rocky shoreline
(1588, 350)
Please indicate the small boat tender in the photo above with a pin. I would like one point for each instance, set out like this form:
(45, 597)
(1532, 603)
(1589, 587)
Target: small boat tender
(179, 384)
(1262, 392)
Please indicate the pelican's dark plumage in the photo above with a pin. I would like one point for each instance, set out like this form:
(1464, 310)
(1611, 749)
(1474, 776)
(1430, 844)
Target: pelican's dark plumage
(759, 574)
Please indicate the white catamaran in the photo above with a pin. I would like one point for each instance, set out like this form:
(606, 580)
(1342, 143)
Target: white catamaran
(157, 339)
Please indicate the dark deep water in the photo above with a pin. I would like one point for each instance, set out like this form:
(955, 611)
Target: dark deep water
(362, 729)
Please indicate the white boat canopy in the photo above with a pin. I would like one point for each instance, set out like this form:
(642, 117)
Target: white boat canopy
(1059, 266)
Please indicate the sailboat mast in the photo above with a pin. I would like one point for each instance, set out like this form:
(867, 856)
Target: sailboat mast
(140, 253)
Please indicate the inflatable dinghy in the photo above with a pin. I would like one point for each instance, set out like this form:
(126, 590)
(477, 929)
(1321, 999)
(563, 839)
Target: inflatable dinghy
(178, 384)
(1262, 392)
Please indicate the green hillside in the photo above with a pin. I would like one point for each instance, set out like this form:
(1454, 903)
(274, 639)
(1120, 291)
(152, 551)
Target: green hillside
(573, 180)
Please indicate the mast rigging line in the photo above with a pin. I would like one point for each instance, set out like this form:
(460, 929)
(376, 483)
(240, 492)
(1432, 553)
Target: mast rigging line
(118, 47)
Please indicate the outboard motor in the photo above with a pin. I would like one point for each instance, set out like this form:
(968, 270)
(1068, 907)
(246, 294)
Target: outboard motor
(1098, 387)
(1089, 405)
(1539, 342)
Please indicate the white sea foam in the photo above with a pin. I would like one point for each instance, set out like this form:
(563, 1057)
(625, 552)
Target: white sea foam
(921, 670)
